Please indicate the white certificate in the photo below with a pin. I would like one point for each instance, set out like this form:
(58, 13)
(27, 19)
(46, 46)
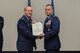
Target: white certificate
(37, 28)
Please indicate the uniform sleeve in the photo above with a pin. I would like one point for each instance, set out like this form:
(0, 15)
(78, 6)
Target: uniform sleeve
(1, 22)
(24, 30)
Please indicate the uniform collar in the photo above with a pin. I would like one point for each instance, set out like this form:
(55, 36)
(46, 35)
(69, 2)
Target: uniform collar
(49, 16)
(27, 17)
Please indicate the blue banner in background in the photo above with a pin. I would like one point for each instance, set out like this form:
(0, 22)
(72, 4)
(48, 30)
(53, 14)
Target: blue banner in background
(29, 2)
(52, 3)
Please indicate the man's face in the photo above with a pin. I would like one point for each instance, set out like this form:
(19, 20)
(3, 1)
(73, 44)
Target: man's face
(28, 11)
(48, 10)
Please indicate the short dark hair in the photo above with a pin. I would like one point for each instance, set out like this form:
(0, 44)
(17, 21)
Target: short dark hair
(25, 7)
(48, 5)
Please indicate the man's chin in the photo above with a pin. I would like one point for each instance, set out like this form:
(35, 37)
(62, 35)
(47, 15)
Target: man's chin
(47, 14)
(29, 15)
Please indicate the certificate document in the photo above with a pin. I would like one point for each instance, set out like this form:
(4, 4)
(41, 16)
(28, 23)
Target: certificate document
(37, 28)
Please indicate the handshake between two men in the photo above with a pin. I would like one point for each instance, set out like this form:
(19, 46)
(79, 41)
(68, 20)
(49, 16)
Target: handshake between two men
(40, 36)
(37, 28)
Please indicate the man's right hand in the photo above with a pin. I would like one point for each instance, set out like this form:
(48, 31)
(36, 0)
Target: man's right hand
(33, 22)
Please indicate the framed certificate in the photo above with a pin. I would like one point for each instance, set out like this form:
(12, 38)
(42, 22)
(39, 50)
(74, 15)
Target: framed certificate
(37, 28)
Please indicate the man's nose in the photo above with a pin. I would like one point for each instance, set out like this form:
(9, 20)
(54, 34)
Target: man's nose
(30, 12)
